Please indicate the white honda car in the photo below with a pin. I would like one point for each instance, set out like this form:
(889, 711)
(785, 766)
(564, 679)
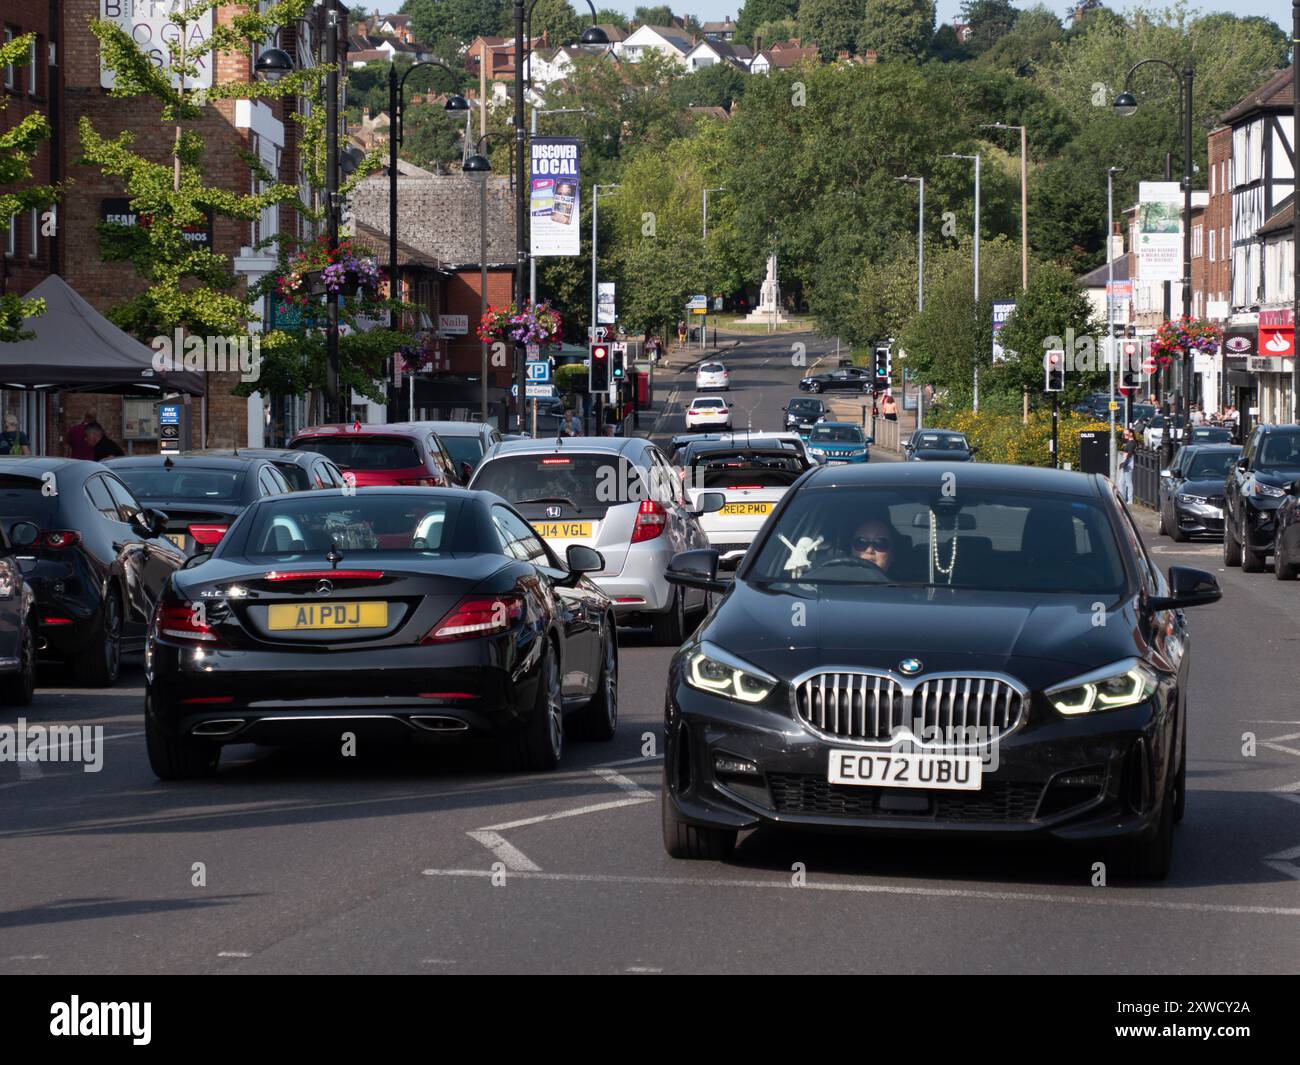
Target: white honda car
(708, 412)
(712, 375)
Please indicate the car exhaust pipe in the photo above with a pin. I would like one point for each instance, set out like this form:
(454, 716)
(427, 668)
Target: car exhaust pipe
(438, 723)
(223, 727)
(42, 643)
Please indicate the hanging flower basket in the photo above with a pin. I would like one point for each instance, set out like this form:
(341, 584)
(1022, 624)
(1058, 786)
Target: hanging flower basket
(532, 325)
(1185, 335)
(316, 271)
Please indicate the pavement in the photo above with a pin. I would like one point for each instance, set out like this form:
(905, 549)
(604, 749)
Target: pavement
(407, 862)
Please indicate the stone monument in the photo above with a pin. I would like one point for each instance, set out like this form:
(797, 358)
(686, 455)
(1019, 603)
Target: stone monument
(769, 297)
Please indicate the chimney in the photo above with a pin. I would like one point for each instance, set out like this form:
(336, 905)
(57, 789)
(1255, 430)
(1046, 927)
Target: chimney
(870, 56)
(1117, 242)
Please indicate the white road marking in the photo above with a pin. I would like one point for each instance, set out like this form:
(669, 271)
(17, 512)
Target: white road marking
(618, 779)
(647, 758)
(1284, 862)
(28, 957)
(1275, 744)
(507, 853)
(1101, 898)
(28, 769)
(235, 954)
(642, 969)
(613, 804)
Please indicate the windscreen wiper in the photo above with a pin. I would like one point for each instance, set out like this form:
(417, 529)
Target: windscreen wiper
(550, 499)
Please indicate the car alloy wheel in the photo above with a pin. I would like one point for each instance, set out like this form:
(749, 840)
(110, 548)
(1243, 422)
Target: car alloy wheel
(814, 387)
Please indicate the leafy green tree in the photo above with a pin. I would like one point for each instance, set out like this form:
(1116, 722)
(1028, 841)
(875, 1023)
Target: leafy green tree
(430, 137)
(18, 146)
(832, 24)
(755, 13)
(662, 15)
(715, 86)
(946, 48)
(897, 29)
(556, 18)
(460, 19)
(1029, 43)
(609, 16)
(989, 22)
(782, 29)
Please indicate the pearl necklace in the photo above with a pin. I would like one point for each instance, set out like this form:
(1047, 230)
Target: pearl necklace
(934, 550)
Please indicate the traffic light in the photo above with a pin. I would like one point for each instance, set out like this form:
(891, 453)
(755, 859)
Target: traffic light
(1054, 371)
(618, 366)
(883, 368)
(1130, 355)
(1128, 382)
(598, 369)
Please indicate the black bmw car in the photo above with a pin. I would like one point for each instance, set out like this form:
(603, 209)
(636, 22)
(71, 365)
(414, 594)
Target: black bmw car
(892, 658)
(1191, 490)
(391, 613)
(845, 379)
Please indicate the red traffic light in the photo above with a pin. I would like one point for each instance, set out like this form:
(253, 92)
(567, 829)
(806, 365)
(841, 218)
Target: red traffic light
(599, 351)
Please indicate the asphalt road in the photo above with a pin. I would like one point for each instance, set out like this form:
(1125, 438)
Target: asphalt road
(411, 862)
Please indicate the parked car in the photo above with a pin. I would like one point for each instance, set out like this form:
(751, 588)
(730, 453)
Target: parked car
(304, 470)
(941, 629)
(201, 495)
(1286, 535)
(17, 616)
(677, 444)
(754, 478)
(844, 379)
(1153, 433)
(467, 442)
(1191, 490)
(1256, 485)
(708, 412)
(711, 375)
(98, 565)
(938, 445)
(1210, 434)
(835, 442)
(619, 496)
(399, 454)
(451, 619)
(802, 413)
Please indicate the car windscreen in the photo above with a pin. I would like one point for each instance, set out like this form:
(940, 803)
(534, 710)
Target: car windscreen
(584, 481)
(310, 523)
(741, 469)
(182, 481)
(988, 539)
(805, 405)
(939, 442)
(1279, 450)
(1212, 466)
(22, 499)
(365, 452)
(836, 434)
(464, 449)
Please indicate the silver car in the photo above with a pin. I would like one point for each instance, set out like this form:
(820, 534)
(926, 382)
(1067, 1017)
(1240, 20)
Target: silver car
(619, 496)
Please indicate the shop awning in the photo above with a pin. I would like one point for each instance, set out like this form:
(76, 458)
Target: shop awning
(75, 348)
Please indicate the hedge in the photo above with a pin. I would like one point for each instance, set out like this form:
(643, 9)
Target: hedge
(1005, 438)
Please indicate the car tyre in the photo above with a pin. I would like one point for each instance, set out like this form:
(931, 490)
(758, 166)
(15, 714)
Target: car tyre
(1251, 561)
(18, 688)
(100, 663)
(1149, 857)
(669, 628)
(682, 840)
(540, 745)
(1282, 569)
(1177, 535)
(1160, 522)
(1231, 549)
(1180, 781)
(177, 757)
(598, 720)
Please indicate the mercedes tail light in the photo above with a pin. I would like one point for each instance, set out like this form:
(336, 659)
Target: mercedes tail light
(477, 615)
(651, 519)
(181, 621)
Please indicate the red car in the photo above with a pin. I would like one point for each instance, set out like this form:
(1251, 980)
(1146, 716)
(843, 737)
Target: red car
(383, 454)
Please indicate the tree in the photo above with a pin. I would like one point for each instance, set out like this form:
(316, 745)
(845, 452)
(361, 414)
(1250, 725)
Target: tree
(897, 29)
(662, 15)
(832, 24)
(461, 19)
(430, 137)
(556, 18)
(18, 146)
(989, 21)
(782, 29)
(1029, 43)
(714, 86)
(755, 13)
(609, 16)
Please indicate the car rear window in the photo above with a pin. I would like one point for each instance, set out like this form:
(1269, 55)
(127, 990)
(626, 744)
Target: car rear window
(746, 469)
(310, 523)
(697, 404)
(182, 482)
(21, 499)
(712, 367)
(584, 480)
(365, 452)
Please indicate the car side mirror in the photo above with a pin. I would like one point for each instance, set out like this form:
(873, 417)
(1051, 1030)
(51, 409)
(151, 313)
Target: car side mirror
(709, 503)
(583, 559)
(196, 560)
(1294, 488)
(150, 522)
(24, 534)
(871, 440)
(1166, 473)
(1187, 587)
(696, 569)
(1243, 465)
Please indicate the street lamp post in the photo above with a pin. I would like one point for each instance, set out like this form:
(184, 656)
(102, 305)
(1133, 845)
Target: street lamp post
(975, 396)
(396, 117)
(479, 167)
(920, 285)
(1125, 104)
(1295, 227)
(591, 35)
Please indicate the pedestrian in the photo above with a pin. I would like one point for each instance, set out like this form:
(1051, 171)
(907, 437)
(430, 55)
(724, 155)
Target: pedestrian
(571, 424)
(101, 445)
(1197, 415)
(889, 407)
(76, 438)
(13, 441)
(681, 333)
(1127, 451)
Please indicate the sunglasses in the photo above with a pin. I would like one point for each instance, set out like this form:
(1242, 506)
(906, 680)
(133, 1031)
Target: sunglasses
(872, 543)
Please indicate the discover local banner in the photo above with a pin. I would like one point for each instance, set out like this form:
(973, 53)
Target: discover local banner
(553, 205)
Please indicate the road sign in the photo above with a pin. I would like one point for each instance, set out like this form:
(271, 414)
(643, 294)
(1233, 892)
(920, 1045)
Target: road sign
(539, 371)
(1149, 365)
(169, 429)
(700, 303)
(539, 391)
(1113, 405)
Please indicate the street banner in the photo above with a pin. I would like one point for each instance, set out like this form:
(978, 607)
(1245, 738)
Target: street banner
(1001, 312)
(606, 313)
(553, 203)
(1160, 227)
(149, 24)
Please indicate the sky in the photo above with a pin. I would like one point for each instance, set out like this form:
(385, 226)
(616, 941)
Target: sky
(717, 10)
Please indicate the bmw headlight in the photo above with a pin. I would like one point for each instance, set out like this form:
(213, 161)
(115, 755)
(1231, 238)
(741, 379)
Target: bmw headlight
(711, 669)
(1267, 490)
(1191, 499)
(1125, 683)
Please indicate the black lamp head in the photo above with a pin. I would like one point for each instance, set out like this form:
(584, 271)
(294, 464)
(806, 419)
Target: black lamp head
(273, 64)
(477, 164)
(594, 35)
(1125, 103)
(456, 102)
